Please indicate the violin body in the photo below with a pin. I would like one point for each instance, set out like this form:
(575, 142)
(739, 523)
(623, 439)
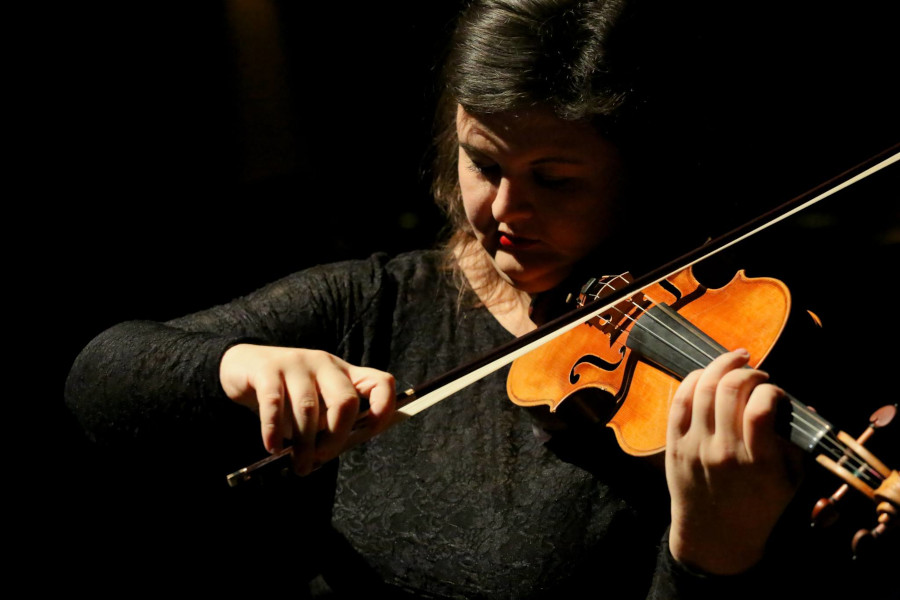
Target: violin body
(608, 352)
(640, 349)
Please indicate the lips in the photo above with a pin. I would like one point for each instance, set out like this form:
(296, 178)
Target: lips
(515, 242)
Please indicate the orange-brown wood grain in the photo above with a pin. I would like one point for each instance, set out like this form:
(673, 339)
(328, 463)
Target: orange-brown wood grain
(746, 313)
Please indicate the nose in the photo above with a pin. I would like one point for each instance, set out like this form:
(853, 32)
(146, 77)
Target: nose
(512, 202)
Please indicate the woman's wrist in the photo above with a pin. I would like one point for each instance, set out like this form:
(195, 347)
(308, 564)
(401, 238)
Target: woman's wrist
(715, 552)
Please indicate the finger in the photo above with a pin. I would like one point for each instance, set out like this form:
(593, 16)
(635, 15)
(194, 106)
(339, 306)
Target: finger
(732, 394)
(270, 403)
(304, 406)
(342, 408)
(760, 415)
(682, 407)
(768, 404)
(704, 403)
(380, 388)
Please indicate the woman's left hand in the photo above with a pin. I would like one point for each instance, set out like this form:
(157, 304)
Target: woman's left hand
(730, 475)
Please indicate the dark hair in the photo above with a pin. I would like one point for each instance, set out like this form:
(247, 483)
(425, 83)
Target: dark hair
(611, 63)
(584, 59)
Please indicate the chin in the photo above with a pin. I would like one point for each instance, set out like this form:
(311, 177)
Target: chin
(531, 280)
(537, 285)
(529, 276)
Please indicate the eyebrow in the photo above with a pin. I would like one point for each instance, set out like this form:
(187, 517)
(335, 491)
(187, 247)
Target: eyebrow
(472, 150)
(558, 159)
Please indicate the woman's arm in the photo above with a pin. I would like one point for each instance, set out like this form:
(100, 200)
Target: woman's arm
(146, 382)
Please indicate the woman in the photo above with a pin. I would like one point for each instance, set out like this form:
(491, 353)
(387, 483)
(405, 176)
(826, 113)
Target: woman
(539, 168)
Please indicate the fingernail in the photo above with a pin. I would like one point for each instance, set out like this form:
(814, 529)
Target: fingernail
(743, 352)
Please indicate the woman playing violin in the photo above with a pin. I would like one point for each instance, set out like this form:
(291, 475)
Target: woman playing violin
(540, 130)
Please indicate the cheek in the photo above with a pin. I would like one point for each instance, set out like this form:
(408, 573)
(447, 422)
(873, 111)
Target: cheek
(595, 225)
(476, 202)
(582, 227)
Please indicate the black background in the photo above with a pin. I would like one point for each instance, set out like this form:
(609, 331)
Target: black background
(190, 166)
(172, 164)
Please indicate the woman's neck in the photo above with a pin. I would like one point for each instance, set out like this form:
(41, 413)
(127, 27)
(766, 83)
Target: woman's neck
(517, 311)
(511, 307)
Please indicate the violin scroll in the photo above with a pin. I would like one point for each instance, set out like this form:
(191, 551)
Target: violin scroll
(855, 462)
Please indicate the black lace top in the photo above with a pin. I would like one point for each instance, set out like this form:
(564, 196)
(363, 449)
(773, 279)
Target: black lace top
(471, 498)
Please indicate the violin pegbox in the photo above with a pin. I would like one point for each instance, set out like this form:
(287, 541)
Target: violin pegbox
(886, 495)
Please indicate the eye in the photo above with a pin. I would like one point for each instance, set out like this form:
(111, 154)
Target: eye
(553, 181)
(484, 169)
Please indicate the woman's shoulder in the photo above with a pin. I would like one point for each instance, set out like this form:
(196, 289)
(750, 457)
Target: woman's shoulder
(418, 264)
(351, 288)
(413, 261)
(414, 268)
(359, 273)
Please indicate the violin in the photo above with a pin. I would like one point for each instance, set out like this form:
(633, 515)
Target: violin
(639, 350)
(635, 338)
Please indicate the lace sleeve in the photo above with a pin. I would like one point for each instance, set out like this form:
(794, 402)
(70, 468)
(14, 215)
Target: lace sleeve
(157, 384)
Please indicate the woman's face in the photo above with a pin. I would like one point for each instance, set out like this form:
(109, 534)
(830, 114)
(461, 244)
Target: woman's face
(538, 192)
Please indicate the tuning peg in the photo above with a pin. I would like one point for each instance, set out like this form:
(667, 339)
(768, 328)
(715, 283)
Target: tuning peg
(864, 540)
(882, 416)
(825, 512)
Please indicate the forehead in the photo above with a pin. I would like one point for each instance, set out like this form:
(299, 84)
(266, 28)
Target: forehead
(531, 130)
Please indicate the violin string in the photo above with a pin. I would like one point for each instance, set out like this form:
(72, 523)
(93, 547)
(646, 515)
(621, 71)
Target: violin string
(830, 444)
(837, 449)
(833, 446)
(648, 314)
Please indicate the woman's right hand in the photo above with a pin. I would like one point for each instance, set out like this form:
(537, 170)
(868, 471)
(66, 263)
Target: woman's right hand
(307, 396)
